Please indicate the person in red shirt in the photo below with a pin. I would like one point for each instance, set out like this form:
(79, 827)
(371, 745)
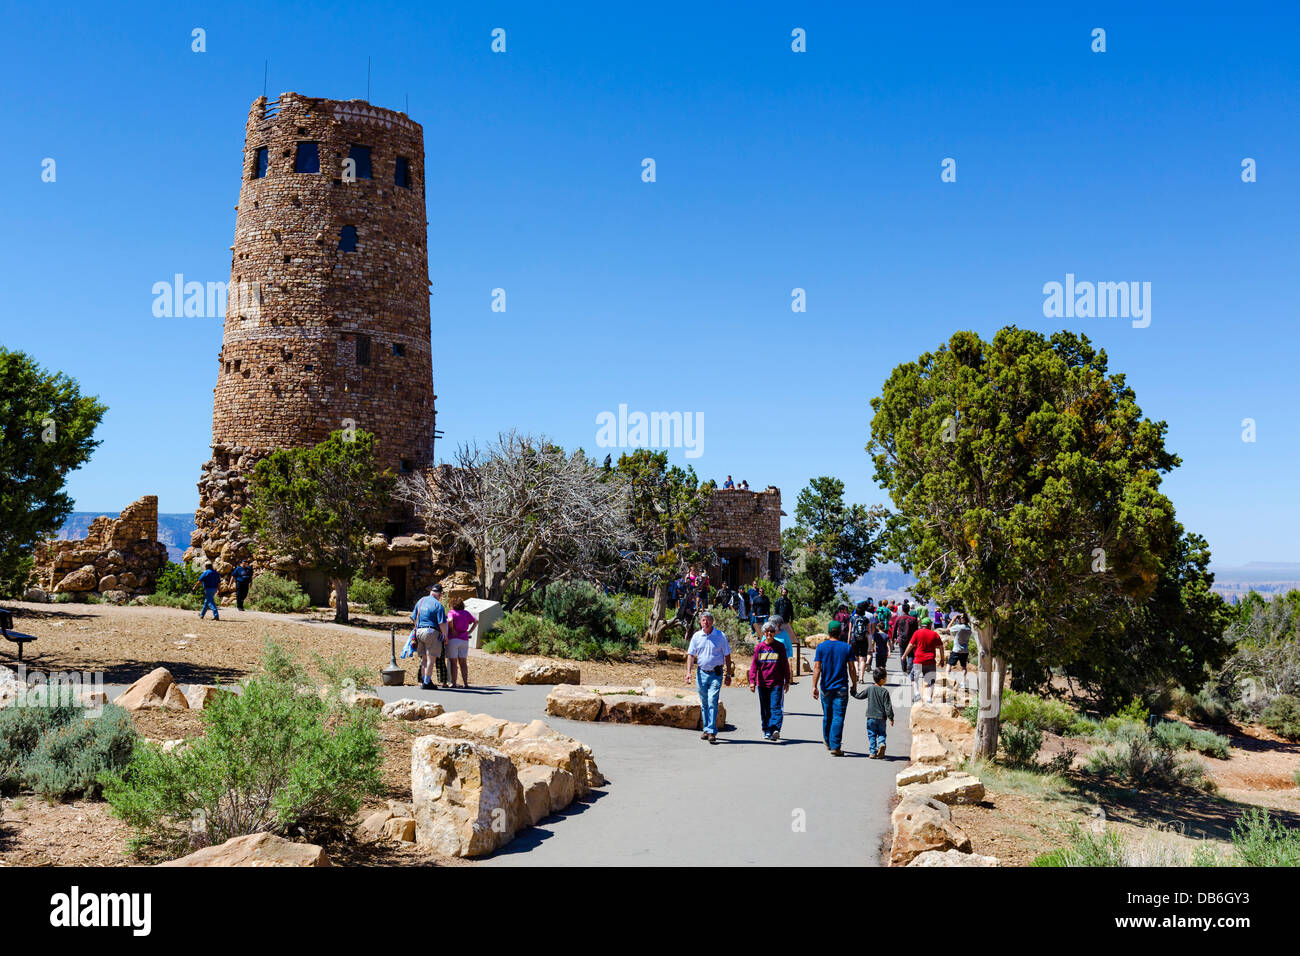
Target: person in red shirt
(927, 650)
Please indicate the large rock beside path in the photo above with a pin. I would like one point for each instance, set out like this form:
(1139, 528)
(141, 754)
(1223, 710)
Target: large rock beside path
(575, 703)
(155, 691)
(922, 824)
(257, 849)
(953, 858)
(952, 788)
(467, 796)
(409, 709)
(540, 670)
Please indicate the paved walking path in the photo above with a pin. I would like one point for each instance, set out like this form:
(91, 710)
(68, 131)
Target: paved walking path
(674, 800)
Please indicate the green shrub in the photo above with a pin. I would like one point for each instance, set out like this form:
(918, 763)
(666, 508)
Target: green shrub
(522, 633)
(272, 760)
(1062, 763)
(634, 612)
(1204, 707)
(807, 626)
(375, 595)
(1048, 714)
(59, 752)
(1178, 736)
(1282, 716)
(270, 592)
(1134, 711)
(1143, 763)
(739, 636)
(1259, 840)
(1021, 744)
(581, 606)
(176, 580)
(1086, 849)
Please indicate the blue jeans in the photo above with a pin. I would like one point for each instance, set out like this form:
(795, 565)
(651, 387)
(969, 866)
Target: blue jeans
(770, 707)
(709, 686)
(833, 706)
(210, 601)
(875, 733)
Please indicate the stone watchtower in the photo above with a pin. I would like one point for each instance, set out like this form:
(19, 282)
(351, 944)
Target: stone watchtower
(327, 316)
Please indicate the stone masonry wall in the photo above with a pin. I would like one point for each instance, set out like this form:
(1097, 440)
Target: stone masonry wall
(744, 521)
(119, 557)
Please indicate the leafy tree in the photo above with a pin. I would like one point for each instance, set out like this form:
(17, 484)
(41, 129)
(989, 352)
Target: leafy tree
(318, 504)
(667, 507)
(1026, 481)
(46, 429)
(839, 542)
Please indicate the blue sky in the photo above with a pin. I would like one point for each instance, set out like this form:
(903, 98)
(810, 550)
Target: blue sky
(775, 170)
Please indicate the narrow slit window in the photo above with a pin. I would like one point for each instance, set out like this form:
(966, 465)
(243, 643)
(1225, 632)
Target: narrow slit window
(261, 163)
(363, 349)
(348, 239)
(402, 173)
(399, 350)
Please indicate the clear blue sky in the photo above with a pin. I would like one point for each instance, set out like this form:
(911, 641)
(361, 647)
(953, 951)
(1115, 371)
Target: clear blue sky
(775, 170)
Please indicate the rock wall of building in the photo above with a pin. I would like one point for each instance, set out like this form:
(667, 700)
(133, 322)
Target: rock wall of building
(745, 527)
(119, 558)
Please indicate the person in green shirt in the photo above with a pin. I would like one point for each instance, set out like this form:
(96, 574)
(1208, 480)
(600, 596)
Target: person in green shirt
(879, 709)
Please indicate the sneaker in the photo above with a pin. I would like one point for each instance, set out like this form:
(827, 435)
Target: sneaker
(713, 738)
(704, 736)
(767, 736)
(837, 753)
(776, 735)
(880, 751)
(426, 686)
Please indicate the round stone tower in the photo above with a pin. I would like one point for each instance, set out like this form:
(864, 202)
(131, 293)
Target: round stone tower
(327, 316)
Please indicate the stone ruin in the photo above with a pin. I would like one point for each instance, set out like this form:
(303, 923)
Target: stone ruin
(743, 528)
(118, 559)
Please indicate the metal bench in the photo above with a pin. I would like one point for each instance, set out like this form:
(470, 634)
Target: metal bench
(7, 631)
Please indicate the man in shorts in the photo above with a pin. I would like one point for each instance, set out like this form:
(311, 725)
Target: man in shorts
(430, 619)
(927, 652)
(961, 635)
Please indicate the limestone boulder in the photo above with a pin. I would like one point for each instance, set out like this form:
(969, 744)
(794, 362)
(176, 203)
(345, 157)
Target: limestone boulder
(156, 690)
(358, 697)
(200, 696)
(257, 849)
(372, 826)
(953, 858)
(107, 583)
(409, 709)
(944, 720)
(919, 773)
(83, 579)
(547, 790)
(467, 797)
(539, 670)
(454, 719)
(400, 830)
(928, 748)
(574, 703)
(36, 596)
(563, 753)
(922, 824)
(635, 709)
(952, 788)
(484, 725)
(115, 596)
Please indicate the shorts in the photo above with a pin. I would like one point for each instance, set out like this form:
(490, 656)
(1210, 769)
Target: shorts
(928, 671)
(862, 648)
(959, 657)
(457, 648)
(428, 640)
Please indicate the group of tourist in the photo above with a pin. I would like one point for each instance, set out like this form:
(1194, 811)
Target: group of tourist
(865, 634)
(210, 582)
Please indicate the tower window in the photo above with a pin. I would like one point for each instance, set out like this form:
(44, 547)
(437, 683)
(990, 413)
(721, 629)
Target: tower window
(405, 466)
(348, 239)
(361, 154)
(308, 158)
(402, 173)
(363, 349)
(399, 350)
(261, 163)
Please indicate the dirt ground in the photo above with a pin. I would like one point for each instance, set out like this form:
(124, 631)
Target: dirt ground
(125, 643)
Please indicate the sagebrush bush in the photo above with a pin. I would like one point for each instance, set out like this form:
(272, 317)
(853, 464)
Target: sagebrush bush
(61, 753)
(1020, 744)
(1048, 714)
(375, 595)
(1282, 716)
(1204, 707)
(1178, 736)
(190, 602)
(522, 633)
(272, 759)
(270, 592)
(1085, 849)
(1259, 840)
(1141, 762)
(580, 605)
(806, 626)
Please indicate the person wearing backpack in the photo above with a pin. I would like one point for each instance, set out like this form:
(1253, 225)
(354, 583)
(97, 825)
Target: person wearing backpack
(861, 625)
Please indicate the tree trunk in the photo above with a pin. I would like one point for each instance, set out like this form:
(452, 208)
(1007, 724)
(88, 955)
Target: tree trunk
(991, 674)
(658, 614)
(340, 601)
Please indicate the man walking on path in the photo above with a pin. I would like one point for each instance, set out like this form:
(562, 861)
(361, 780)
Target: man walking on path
(708, 659)
(243, 576)
(833, 672)
(769, 675)
(430, 619)
(210, 580)
(925, 645)
(759, 608)
(961, 635)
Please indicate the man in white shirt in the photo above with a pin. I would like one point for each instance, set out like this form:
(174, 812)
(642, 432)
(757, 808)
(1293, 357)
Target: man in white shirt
(708, 659)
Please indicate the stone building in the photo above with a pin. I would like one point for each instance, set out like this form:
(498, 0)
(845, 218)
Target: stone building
(118, 559)
(327, 318)
(744, 532)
